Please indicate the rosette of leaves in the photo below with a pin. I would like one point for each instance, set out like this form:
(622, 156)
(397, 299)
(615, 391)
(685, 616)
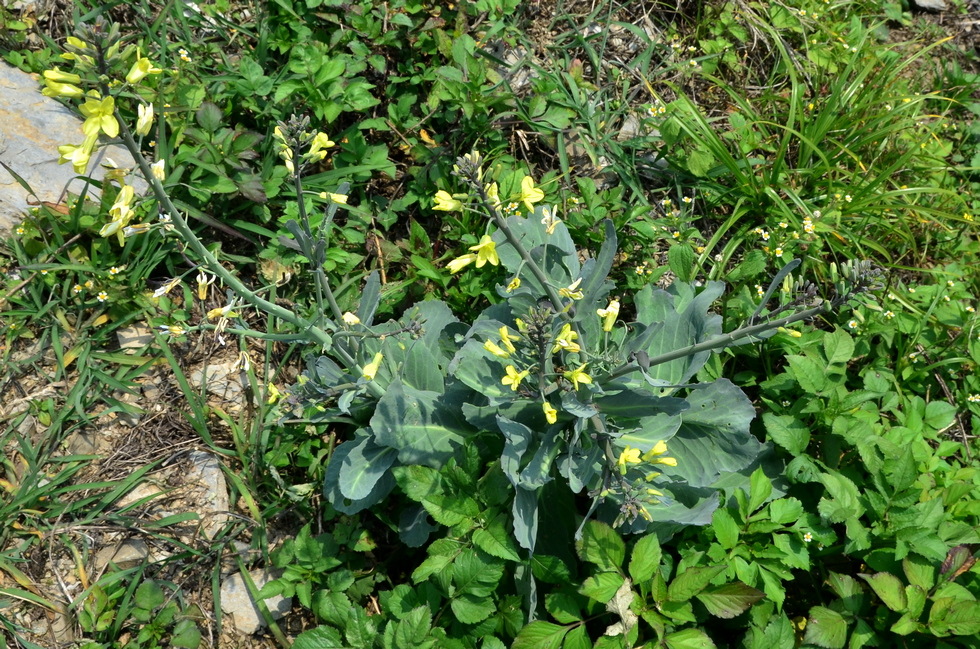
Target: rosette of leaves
(442, 388)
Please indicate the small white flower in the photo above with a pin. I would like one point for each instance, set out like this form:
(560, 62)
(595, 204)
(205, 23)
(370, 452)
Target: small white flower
(852, 324)
(102, 296)
(807, 537)
(889, 314)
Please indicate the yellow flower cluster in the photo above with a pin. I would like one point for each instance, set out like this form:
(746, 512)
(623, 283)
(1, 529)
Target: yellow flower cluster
(483, 252)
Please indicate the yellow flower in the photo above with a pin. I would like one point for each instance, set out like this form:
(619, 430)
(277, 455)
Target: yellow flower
(371, 369)
(529, 193)
(351, 319)
(514, 284)
(609, 315)
(460, 263)
(550, 220)
(61, 84)
(167, 287)
(506, 339)
(495, 349)
(566, 340)
(628, 456)
(320, 142)
(446, 203)
(572, 291)
(58, 76)
(514, 378)
(274, 394)
(203, 282)
(243, 364)
(223, 312)
(78, 156)
(653, 455)
(550, 414)
(485, 251)
(578, 375)
(140, 69)
(159, 172)
(99, 117)
(493, 193)
(336, 198)
(144, 121)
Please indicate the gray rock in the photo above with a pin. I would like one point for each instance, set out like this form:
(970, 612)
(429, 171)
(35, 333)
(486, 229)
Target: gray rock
(213, 506)
(32, 127)
(134, 338)
(934, 6)
(236, 602)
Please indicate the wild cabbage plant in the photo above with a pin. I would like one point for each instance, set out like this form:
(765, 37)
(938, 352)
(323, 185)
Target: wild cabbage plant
(553, 380)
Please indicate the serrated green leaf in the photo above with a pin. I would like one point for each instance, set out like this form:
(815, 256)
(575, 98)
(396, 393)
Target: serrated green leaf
(322, 637)
(795, 554)
(691, 582)
(689, 639)
(577, 638)
(787, 431)
(413, 628)
(808, 373)
(495, 541)
(760, 490)
(601, 587)
(729, 600)
(540, 635)
(826, 628)
(645, 558)
(680, 258)
(726, 530)
(601, 545)
(951, 617)
(785, 511)
(889, 589)
(906, 624)
(470, 609)
(838, 347)
(562, 607)
(550, 570)
(919, 571)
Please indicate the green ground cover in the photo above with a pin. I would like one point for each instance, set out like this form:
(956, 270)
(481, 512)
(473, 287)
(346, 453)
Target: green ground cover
(559, 326)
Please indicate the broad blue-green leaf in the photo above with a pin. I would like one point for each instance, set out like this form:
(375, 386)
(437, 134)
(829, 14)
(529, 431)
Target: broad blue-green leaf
(714, 435)
(423, 426)
(370, 298)
(691, 326)
(533, 236)
(517, 437)
(525, 512)
(331, 485)
(638, 403)
(649, 431)
(421, 369)
(363, 466)
(435, 316)
(537, 472)
(475, 367)
(414, 527)
(579, 467)
(601, 544)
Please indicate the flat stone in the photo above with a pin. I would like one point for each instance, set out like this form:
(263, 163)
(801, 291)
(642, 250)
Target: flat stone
(133, 339)
(237, 603)
(934, 6)
(32, 127)
(213, 506)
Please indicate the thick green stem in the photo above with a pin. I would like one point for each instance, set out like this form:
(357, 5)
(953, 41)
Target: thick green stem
(722, 341)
